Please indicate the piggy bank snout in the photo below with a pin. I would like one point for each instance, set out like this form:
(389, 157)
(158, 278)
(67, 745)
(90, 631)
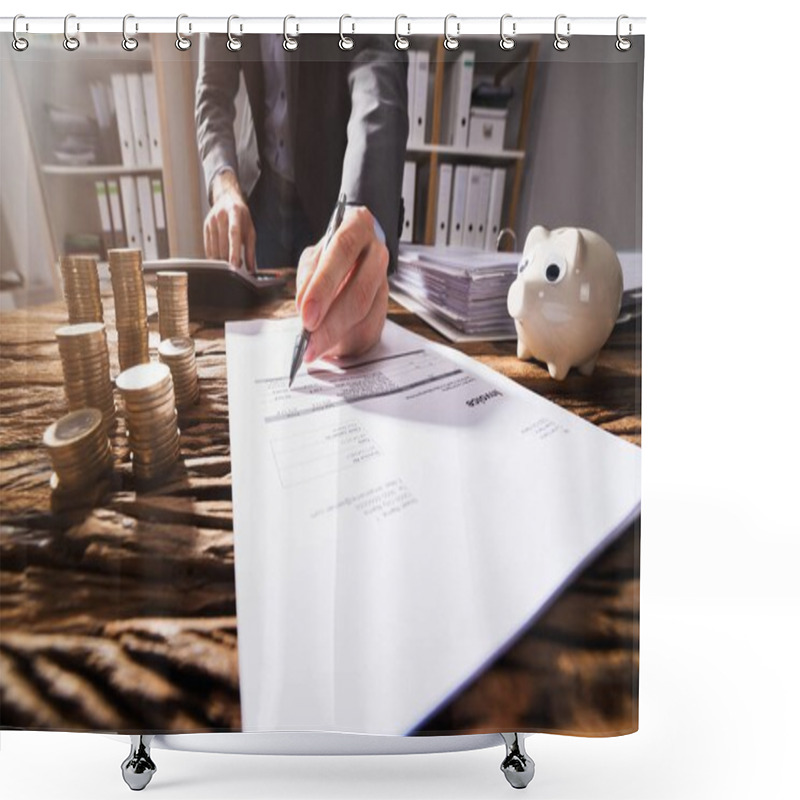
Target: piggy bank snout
(516, 298)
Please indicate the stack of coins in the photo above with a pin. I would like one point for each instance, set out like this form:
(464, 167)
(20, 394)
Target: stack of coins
(84, 360)
(81, 288)
(173, 304)
(178, 354)
(79, 450)
(151, 418)
(130, 306)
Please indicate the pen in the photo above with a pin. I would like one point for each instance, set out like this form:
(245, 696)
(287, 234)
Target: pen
(301, 343)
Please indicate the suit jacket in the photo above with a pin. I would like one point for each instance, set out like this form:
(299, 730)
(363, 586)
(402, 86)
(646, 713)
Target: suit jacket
(347, 109)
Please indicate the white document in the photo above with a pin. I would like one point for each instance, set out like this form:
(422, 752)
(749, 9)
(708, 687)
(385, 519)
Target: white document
(408, 193)
(153, 122)
(141, 136)
(398, 520)
(420, 119)
(443, 204)
(147, 218)
(130, 211)
(460, 180)
(122, 108)
(495, 211)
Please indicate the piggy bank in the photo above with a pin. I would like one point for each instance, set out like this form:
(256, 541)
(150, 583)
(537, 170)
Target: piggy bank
(566, 298)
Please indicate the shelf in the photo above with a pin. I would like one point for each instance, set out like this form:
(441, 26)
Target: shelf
(458, 152)
(97, 170)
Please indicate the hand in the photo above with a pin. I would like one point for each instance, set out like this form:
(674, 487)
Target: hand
(228, 225)
(343, 293)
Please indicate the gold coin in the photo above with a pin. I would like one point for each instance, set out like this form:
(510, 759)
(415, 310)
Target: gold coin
(73, 427)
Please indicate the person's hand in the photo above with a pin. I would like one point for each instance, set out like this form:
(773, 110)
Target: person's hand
(228, 225)
(343, 293)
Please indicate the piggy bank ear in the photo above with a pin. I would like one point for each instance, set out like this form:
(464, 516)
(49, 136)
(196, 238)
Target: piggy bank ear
(571, 240)
(536, 235)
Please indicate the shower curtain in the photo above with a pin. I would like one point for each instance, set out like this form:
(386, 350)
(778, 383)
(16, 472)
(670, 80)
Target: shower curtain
(139, 590)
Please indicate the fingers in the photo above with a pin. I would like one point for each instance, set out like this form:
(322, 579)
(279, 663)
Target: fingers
(354, 320)
(228, 226)
(234, 239)
(309, 260)
(355, 235)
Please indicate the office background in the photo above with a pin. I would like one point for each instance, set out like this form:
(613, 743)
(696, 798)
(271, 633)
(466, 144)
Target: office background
(719, 698)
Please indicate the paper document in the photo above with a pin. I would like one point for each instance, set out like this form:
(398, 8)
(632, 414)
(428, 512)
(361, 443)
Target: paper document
(398, 519)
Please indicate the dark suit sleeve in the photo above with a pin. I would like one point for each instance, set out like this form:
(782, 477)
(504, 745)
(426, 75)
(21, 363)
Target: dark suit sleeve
(215, 110)
(377, 131)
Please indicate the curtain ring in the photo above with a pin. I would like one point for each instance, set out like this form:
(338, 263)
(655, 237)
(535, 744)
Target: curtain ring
(71, 43)
(506, 41)
(181, 42)
(345, 42)
(560, 42)
(622, 44)
(400, 42)
(128, 42)
(233, 44)
(289, 42)
(18, 43)
(451, 42)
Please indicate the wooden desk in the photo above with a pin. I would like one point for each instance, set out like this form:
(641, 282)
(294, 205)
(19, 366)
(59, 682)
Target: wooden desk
(123, 618)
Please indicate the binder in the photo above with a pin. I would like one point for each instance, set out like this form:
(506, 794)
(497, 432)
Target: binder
(153, 122)
(495, 212)
(106, 229)
(160, 217)
(411, 82)
(458, 94)
(443, 204)
(119, 88)
(148, 222)
(115, 206)
(421, 96)
(141, 137)
(460, 177)
(484, 191)
(472, 201)
(130, 211)
(409, 185)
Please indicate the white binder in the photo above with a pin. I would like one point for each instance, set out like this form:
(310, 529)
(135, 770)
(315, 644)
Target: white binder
(115, 206)
(149, 238)
(443, 204)
(409, 186)
(122, 107)
(412, 82)
(141, 137)
(494, 216)
(460, 177)
(130, 211)
(482, 214)
(107, 230)
(422, 67)
(153, 122)
(458, 99)
(471, 213)
(160, 216)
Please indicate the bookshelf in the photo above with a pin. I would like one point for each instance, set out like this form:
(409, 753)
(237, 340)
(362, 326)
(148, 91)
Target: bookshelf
(515, 68)
(50, 77)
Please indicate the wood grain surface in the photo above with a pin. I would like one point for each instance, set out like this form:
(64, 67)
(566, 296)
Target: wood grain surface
(122, 617)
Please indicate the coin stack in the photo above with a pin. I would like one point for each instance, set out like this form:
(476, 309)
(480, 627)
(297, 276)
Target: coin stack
(130, 306)
(84, 360)
(178, 354)
(79, 451)
(151, 418)
(81, 288)
(173, 304)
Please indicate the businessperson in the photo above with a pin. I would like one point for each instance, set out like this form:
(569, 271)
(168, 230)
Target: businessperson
(324, 122)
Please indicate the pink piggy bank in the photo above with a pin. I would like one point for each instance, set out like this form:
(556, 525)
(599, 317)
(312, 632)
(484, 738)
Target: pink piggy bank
(566, 298)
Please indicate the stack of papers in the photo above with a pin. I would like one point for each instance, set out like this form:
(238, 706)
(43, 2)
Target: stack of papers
(463, 288)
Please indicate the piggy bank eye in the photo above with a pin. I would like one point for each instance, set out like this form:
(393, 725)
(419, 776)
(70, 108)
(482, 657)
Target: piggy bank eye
(521, 266)
(555, 268)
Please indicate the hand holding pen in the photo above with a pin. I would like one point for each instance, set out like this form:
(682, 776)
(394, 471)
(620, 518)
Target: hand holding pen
(343, 288)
